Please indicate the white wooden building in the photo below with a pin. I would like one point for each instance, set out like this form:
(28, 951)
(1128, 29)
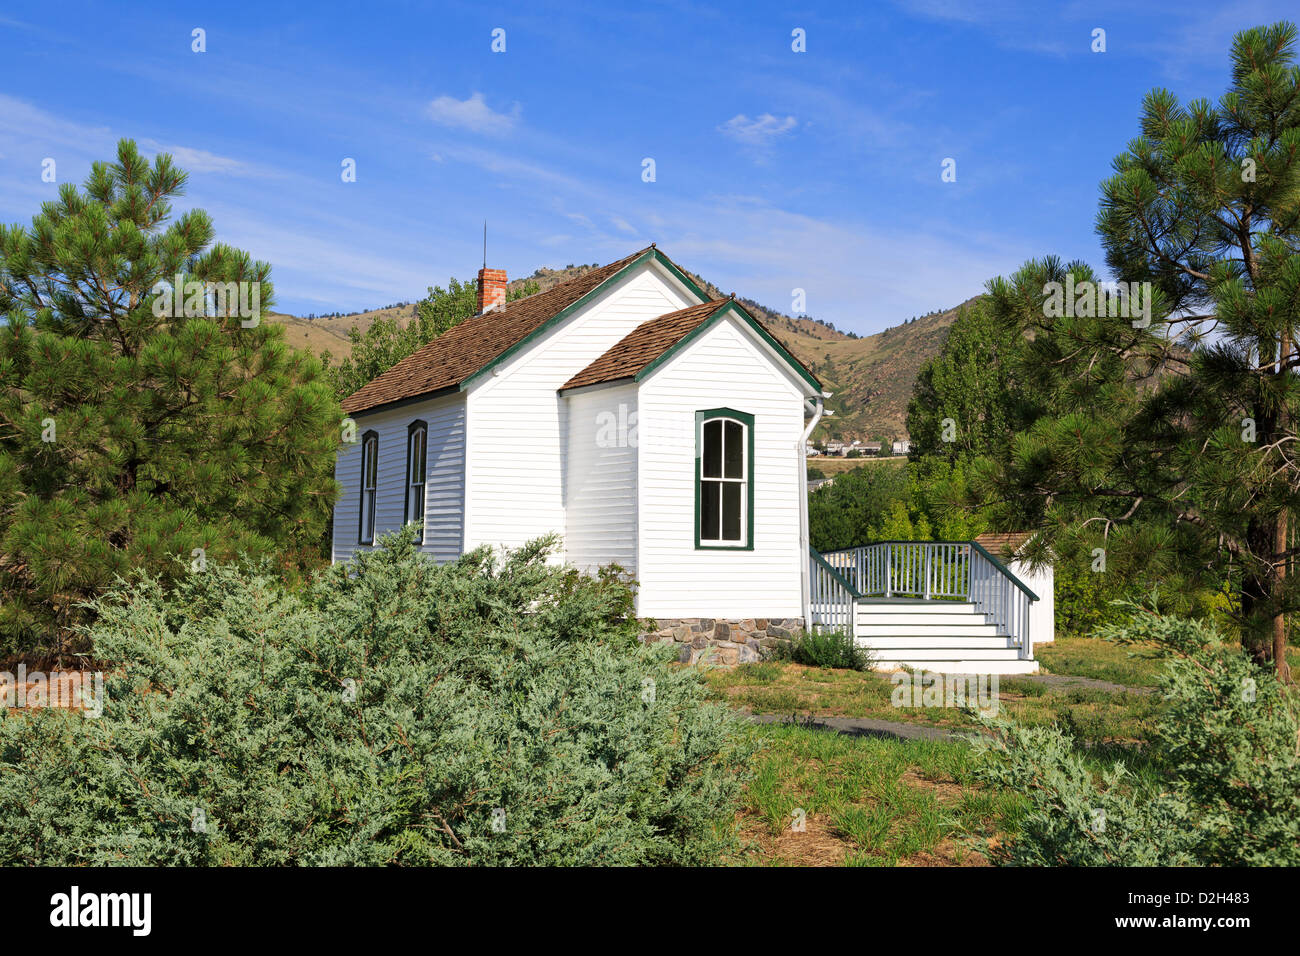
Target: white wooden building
(645, 423)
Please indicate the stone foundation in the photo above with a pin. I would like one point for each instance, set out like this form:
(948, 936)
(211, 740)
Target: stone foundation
(723, 642)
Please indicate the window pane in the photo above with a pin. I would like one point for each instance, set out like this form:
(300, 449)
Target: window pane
(712, 452)
(417, 457)
(731, 498)
(734, 450)
(709, 517)
(371, 456)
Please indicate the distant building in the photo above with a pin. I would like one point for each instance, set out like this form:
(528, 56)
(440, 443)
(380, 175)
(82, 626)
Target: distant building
(1007, 548)
(869, 447)
(902, 447)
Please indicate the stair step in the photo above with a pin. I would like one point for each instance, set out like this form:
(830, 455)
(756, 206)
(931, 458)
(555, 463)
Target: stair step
(946, 653)
(893, 642)
(922, 617)
(963, 666)
(921, 631)
(903, 605)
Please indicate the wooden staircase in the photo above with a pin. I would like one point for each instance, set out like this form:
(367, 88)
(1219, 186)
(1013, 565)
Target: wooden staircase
(949, 637)
(946, 606)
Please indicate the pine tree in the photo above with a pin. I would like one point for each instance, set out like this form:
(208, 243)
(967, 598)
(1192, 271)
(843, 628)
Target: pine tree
(138, 425)
(971, 382)
(1175, 445)
(388, 341)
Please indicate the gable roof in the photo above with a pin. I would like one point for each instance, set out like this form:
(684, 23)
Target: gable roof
(1003, 543)
(478, 343)
(643, 349)
(644, 344)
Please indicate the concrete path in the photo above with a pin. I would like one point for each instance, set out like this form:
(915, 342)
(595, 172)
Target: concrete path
(862, 727)
(1066, 681)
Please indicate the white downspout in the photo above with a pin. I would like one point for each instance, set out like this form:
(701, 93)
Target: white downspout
(817, 410)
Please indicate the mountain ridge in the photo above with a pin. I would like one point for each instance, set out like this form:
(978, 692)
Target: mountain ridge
(870, 376)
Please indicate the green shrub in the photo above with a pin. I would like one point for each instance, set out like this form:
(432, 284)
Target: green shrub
(490, 711)
(1222, 787)
(826, 649)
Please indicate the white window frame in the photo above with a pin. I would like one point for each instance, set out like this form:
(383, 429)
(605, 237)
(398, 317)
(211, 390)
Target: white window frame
(746, 480)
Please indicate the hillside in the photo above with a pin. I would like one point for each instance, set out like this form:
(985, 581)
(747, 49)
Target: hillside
(871, 377)
(331, 333)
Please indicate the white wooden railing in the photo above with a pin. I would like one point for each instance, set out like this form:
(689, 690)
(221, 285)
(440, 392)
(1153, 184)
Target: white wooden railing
(936, 571)
(833, 601)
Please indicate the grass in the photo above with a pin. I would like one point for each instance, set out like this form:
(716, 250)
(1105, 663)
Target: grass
(832, 466)
(866, 801)
(1100, 718)
(1108, 661)
(1098, 659)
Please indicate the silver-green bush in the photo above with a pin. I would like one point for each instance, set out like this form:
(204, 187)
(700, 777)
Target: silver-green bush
(1222, 786)
(489, 711)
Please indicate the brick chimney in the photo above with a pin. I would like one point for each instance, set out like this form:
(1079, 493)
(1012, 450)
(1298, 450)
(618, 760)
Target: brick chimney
(491, 289)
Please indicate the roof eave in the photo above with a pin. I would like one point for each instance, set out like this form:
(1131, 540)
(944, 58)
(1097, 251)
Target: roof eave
(408, 400)
(650, 255)
(731, 306)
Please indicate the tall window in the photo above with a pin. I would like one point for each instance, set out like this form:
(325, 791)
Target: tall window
(417, 435)
(724, 479)
(369, 481)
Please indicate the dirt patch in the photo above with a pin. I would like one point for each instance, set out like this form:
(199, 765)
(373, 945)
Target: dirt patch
(945, 791)
(948, 853)
(820, 844)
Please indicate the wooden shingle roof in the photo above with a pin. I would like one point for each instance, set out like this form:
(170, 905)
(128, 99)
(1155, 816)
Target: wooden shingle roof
(644, 344)
(464, 349)
(1003, 544)
(636, 353)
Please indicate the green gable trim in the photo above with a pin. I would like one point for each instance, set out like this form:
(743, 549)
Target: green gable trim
(747, 420)
(650, 255)
(730, 308)
(678, 274)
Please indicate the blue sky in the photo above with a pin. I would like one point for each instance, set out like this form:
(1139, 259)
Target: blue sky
(774, 170)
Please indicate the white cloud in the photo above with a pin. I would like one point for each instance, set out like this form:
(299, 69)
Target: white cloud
(472, 114)
(508, 166)
(194, 160)
(760, 131)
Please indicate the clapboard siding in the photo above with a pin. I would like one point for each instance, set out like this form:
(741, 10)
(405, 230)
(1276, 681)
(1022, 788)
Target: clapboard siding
(517, 420)
(722, 368)
(600, 491)
(444, 478)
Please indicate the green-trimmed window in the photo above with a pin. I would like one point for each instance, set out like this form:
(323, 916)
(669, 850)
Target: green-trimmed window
(724, 479)
(417, 434)
(369, 486)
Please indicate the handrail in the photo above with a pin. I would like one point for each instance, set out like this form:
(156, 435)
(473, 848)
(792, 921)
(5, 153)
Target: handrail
(816, 556)
(832, 601)
(1005, 570)
(974, 544)
(930, 571)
